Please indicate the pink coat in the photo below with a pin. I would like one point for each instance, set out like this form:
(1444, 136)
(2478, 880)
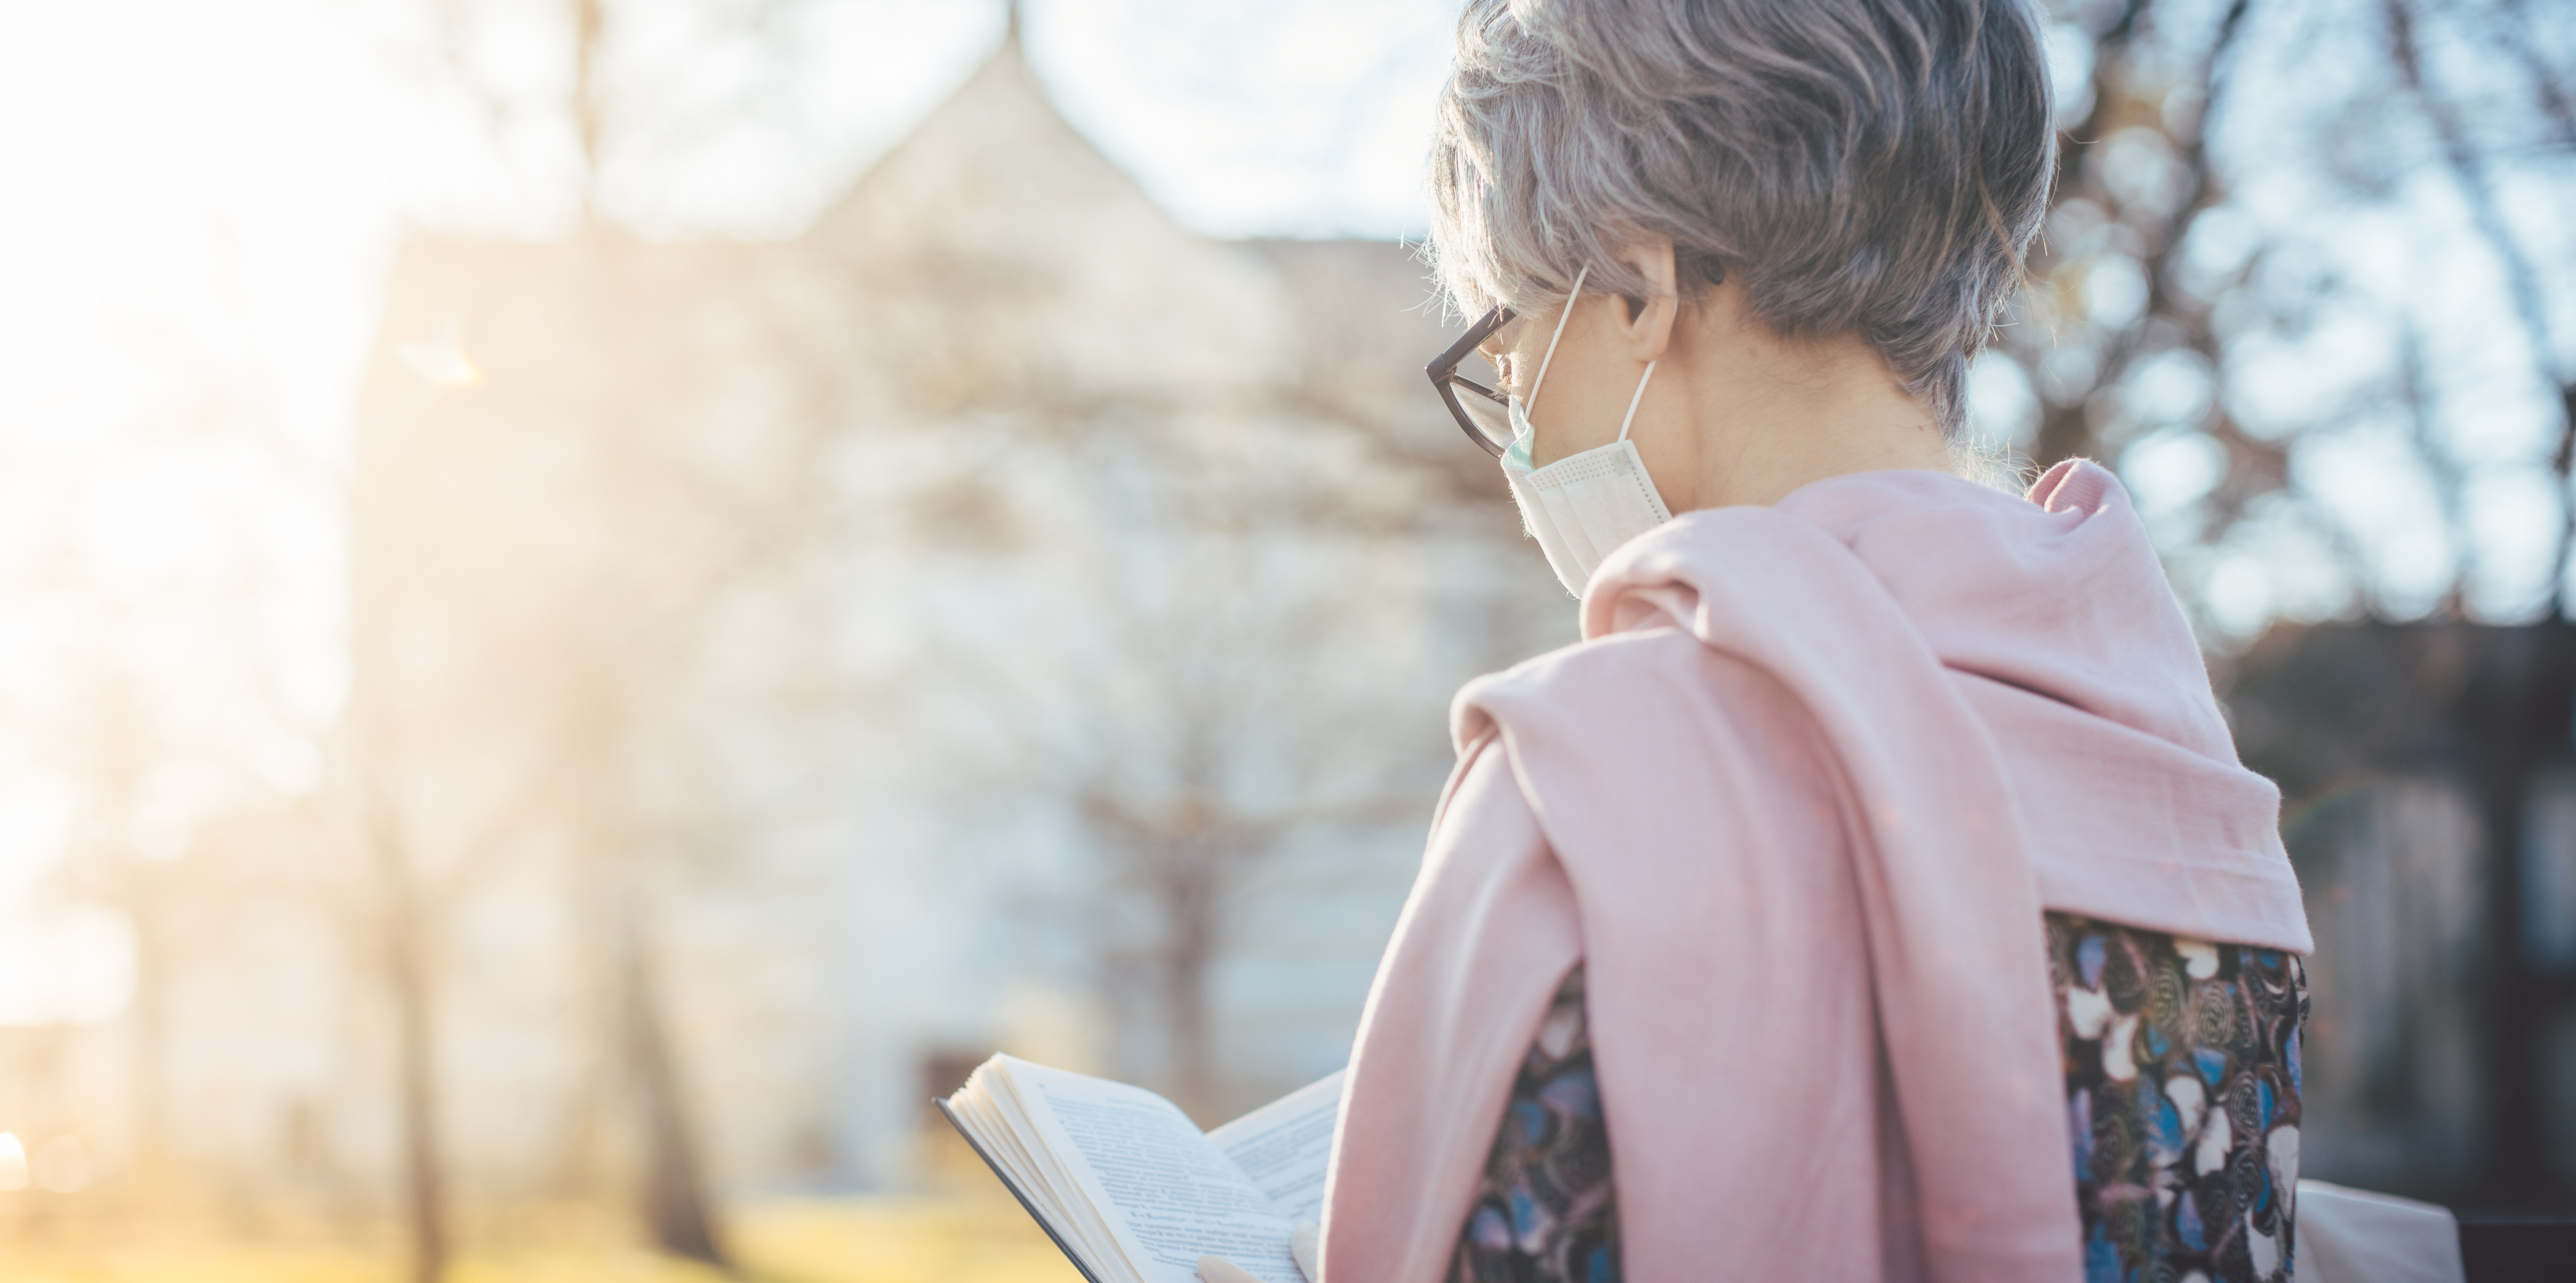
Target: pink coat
(1798, 801)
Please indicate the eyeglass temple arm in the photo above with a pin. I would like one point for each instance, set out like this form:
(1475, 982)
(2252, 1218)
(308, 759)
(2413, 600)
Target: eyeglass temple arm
(1447, 363)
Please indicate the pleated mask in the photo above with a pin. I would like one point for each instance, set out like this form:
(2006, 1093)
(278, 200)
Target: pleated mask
(1584, 505)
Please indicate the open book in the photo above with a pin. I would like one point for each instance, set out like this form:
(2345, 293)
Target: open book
(1131, 1189)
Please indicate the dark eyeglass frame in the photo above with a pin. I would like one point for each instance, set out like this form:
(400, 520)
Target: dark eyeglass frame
(1446, 379)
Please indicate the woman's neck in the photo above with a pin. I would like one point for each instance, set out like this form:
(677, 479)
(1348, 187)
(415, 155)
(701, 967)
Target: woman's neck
(1733, 414)
(1760, 416)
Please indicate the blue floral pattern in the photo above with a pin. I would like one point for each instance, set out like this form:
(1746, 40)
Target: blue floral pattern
(2182, 1087)
(1544, 1209)
(2182, 1101)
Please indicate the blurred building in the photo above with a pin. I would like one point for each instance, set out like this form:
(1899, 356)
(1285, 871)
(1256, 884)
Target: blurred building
(786, 672)
(2430, 805)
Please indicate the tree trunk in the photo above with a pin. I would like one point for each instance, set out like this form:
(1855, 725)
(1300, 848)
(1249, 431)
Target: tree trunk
(1185, 1009)
(408, 982)
(1192, 885)
(2516, 717)
(674, 1192)
(133, 885)
(150, 1017)
(2563, 466)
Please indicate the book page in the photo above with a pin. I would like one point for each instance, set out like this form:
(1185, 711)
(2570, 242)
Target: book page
(992, 1112)
(1286, 1146)
(1167, 1194)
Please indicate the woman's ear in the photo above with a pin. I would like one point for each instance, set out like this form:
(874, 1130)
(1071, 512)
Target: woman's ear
(1649, 321)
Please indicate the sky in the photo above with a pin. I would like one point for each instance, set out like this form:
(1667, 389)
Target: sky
(204, 200)
(238, 173)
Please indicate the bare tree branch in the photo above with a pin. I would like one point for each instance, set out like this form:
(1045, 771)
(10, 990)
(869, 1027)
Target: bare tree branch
(2522, 279)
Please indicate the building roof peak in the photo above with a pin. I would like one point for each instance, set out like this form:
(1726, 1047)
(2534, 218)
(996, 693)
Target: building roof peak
(996, 145)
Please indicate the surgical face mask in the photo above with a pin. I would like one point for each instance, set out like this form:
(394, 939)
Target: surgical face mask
(1583, 505)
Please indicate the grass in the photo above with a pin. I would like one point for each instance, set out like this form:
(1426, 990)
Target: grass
(950, 1240)
(953, 1239)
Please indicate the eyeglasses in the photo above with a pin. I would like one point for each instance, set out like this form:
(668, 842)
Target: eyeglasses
(1482, 413)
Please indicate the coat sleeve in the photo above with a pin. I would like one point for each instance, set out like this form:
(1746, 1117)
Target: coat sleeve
(1491, 927)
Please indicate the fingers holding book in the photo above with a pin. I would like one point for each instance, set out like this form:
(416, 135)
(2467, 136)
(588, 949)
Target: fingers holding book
(1217, 1269)
(1301, 1245)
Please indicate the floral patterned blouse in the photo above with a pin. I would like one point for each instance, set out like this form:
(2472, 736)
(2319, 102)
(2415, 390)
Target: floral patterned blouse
(2182, 1101)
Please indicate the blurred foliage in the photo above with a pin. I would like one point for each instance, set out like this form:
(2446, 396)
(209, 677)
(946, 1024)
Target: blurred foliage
(2302, 287)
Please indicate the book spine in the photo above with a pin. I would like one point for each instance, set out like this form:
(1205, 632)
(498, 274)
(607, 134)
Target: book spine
(1016, 1192)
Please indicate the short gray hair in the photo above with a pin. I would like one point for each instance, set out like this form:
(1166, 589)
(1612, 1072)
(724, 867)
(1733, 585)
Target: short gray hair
(1870, 167)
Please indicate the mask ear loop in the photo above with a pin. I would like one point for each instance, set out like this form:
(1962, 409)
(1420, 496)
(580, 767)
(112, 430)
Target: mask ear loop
(1561, 319)
(1632, 401)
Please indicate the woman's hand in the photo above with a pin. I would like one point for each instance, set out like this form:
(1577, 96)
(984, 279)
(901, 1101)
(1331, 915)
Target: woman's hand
(1301, 1245)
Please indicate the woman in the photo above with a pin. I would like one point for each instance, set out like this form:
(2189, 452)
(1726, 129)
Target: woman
(1875, 891)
